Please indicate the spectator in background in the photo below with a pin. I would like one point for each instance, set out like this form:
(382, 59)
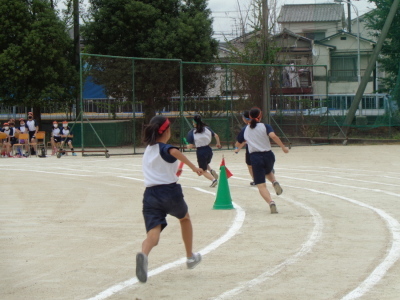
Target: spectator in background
(13, 136)
(6, 143)
(55, 137)
(33, 128)
(66, 137)
(23, 128)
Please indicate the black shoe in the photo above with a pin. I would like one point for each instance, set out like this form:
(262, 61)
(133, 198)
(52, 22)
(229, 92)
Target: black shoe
(252, 183)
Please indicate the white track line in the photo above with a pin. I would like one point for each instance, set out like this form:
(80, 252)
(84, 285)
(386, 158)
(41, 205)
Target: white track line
(344, 185)
(67, 174)
(306, 248)
(393, 254)
(232, 231)
(379, 271)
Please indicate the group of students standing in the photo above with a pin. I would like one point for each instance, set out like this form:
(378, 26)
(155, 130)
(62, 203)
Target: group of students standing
(163, 195)
(59, 136)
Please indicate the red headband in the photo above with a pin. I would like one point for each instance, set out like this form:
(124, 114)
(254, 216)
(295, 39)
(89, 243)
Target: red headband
(163, 127)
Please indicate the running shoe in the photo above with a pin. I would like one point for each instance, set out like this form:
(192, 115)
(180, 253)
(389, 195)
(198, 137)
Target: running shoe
(252, 183)
(214, 183)
(193, 261)
(272, 207)
(141, 266)
(214, 174)
(277, 187)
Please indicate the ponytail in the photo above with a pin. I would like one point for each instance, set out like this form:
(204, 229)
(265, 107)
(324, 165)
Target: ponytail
(157, 126)
(255, 116)
(200, 125)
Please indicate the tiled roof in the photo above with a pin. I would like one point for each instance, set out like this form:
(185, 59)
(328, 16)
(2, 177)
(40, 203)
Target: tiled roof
(323, 12)
(285, 30)
(341, 32)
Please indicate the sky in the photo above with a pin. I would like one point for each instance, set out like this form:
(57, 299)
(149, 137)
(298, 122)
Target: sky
(225, 13)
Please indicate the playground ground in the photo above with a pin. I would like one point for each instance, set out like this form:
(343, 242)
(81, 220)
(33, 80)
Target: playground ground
(70, 229)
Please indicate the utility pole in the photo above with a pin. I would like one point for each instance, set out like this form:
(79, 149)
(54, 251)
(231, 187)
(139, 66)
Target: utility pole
(266, 103)
(349, 15)
(77, 47)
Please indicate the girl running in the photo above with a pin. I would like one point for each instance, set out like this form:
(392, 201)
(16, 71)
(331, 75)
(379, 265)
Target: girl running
(262, 158)
(163, 195)
(238, 146)
(201, 136)
(246, 119)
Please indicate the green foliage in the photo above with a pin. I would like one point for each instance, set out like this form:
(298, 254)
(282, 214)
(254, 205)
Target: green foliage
(163, 29)
(390, 53)
(36, 55)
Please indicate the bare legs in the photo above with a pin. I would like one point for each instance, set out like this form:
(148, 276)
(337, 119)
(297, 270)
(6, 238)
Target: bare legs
(262, 189)
(187, 234)
(250, 171)
(153, 236)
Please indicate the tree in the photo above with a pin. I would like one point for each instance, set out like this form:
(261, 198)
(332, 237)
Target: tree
(252, 47)
(390, 53)
(162, 29)
(35, 56)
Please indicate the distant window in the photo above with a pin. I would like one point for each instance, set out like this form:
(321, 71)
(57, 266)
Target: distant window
(343, 38)
(315, 35)
(344, 67)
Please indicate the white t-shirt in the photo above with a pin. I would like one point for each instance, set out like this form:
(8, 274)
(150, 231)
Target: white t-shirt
(65, 131)
(257, 138)
(159, 167)
(56, 131)
(200, 139)
(31, 125)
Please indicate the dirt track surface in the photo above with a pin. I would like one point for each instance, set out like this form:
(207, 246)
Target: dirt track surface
(70, 229)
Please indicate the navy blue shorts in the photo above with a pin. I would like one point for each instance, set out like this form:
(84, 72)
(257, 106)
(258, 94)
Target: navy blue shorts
(248, 161)
(262, 164)
(66, 140)
(160, 200)
(204, 156)
(13, 140)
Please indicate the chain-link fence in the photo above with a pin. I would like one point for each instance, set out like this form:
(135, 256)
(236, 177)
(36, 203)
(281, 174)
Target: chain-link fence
(119, 96)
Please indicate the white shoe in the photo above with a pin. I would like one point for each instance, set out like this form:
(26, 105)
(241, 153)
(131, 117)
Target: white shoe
(277, 187)
(272, 207)
(193, 261)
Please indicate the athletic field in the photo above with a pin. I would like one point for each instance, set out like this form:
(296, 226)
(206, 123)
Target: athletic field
(70, 229)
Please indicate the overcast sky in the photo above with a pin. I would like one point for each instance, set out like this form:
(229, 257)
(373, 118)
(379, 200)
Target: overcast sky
(225, 12)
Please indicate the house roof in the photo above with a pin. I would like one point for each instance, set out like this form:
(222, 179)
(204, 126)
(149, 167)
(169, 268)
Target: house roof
(287, 31)
(341, 32)
(326, 45)
(318, 12)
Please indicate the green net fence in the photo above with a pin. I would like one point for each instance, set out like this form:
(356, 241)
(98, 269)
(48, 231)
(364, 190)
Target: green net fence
(119, 95)
(134, 90)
